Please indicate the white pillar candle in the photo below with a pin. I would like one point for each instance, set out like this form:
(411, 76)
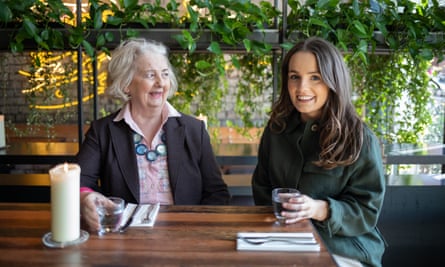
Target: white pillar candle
(65, 202)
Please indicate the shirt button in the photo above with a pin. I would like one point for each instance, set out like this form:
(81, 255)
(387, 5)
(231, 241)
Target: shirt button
(314, 127)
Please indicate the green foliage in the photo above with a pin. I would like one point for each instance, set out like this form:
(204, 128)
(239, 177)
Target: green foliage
(255, 77)
(231, 24)
(34, 20)
(204, 90)
(385, 80)
(387, 47)
(357, 28)
(392, 96)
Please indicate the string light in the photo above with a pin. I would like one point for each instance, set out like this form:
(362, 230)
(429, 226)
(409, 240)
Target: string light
(52, 75)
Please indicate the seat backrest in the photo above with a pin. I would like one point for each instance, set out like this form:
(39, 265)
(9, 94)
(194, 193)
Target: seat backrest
(413, 223)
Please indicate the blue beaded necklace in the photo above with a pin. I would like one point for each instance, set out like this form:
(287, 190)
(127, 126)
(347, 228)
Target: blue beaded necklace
(150, 155)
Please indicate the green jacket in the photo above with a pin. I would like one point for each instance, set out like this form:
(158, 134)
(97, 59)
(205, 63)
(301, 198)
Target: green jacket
(355, 193)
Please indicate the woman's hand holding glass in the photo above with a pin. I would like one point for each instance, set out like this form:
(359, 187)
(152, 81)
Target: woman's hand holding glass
(304, 207)
(88, 210)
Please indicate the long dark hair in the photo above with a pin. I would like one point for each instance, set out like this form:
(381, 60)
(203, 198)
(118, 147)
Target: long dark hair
(341, 129)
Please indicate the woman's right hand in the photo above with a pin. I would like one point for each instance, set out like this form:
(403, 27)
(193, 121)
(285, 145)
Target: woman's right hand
(88, 211)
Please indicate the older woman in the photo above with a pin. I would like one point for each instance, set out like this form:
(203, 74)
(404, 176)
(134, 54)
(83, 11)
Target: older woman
(147, 152)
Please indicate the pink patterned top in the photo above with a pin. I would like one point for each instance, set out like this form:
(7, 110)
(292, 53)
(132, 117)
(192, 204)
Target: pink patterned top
(151, 159)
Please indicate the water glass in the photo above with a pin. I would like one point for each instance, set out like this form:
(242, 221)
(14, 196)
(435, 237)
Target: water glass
(280, 196)
(110, 211)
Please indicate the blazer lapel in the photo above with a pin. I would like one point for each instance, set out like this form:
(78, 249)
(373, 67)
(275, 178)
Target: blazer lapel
(123, 145)
(175, 139)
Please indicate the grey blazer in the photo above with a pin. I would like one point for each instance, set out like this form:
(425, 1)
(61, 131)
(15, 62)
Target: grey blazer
(108, 162)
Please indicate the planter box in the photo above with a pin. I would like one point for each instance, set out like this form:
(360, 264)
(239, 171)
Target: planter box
(164, 35)
(382, 47)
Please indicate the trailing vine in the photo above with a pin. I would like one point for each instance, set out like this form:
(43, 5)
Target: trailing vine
(392, 85)
(392, 95)
(387, 44)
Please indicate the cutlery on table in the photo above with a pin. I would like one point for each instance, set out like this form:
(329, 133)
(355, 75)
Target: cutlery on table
(129, 221)
(259, 240)
(149, 216)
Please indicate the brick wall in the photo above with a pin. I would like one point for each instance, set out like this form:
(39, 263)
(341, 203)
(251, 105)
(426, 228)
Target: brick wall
(12, 103)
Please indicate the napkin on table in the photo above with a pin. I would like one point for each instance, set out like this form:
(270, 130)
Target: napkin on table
(277, 241)
(139, 213)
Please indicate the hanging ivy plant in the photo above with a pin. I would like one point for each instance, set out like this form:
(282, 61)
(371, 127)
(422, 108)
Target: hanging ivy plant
(392, 88)
(35, 21)
(410, 34)
(231, 24)
(254, 75)
(198, 93)
(393, 96)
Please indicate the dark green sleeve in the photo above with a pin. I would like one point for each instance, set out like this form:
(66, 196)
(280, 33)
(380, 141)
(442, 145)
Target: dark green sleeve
(357, 209)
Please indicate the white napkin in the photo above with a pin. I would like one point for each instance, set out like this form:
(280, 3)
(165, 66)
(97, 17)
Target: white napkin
(277, 242)
(141, 212)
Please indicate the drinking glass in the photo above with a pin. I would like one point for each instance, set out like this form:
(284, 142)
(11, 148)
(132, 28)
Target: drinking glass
(110, 211)
(280, 196)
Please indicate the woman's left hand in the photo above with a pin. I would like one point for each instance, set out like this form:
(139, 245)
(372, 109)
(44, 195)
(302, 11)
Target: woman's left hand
(305, 207)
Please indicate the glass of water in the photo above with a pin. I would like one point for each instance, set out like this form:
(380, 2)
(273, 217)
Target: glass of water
(280, 196)
(110, 211)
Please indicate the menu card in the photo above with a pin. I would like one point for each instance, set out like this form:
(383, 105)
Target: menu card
(143, 215)
(255, 241)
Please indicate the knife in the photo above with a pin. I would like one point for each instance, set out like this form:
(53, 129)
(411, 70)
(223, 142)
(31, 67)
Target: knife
(129, 221)
(151, 212)
(306, 238)
(154, 212)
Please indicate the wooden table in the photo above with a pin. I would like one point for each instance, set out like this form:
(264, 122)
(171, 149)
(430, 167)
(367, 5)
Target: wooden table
(182, 236)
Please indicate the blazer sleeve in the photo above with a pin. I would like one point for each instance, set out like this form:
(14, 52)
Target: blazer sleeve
(107, 160)
(88, 158)
(261, 185)
(194, 173)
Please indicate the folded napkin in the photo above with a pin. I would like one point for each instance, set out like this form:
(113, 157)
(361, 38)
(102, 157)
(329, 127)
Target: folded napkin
(140, 215)
(276, 242)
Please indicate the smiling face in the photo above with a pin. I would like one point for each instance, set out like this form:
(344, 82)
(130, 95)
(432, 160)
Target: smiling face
(307, 90)
(151, 84)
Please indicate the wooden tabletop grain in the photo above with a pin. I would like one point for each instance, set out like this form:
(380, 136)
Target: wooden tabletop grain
(181, 236)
